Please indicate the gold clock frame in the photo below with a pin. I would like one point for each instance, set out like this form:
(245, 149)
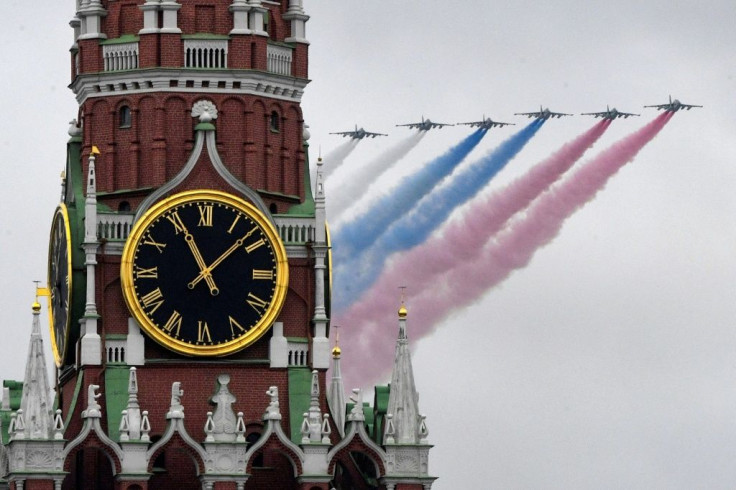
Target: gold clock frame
(64, 212)
(268, 317)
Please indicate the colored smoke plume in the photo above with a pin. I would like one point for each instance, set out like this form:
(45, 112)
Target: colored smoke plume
(335, 158)
(430, 213)
(351, 239)
(512, 249)
(341, 197)
(462, 240)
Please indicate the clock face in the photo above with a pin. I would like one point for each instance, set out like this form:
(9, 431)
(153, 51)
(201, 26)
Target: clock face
(204, 273)
(60, 282)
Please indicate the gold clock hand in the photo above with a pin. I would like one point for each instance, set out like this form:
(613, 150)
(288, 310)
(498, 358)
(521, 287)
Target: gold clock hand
(204, 271)
(207, 270)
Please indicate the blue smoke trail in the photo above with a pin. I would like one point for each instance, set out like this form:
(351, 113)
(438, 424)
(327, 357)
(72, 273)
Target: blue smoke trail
(360, 233)
(415, 227)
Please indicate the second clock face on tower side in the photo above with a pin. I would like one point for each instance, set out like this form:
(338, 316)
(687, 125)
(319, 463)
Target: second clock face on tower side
(204, 273)
(60, 283)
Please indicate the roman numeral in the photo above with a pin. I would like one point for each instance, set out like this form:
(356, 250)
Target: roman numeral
(234, 324)
(203, 334)
(262, 274)
(257, 303)
(235, 221)
(149, 241)
(153, 300)
(205, 215)
(177, 222)
(141, 273)
(254, 245)
(174, 322)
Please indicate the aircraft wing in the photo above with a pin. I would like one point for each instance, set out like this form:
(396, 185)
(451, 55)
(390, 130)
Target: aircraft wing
(529, 114)
(368, 134)
(347, 134)
(689, 106)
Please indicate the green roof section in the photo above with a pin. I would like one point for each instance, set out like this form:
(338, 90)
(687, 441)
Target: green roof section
(116, 397)
(16, 393)
(307, 208)
(124, 39)
(380, 407)
(300, 394)
(204, 35)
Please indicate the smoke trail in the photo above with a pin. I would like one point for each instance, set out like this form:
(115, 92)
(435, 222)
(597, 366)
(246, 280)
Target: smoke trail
(335, 158)
(432, 210)
(340, 198)
(511, 250)
(462, 240)
(361, 232)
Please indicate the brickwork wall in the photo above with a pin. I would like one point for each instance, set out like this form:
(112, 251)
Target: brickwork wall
(156, 145)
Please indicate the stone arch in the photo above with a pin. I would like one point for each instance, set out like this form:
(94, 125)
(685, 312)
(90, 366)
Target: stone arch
(177, 442)
(276, 460)
(274, 444)
(180, 469)
(89, 467)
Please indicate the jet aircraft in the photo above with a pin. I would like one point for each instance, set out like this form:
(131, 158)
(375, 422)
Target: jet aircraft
(425, 125)
(359, 134)
(542, 114)
(486, 123)
(673, 105)
(610, 114)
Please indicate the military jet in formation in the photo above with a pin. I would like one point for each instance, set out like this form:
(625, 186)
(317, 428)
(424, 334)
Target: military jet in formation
(673, 106)
(486, 123)
(543, 114)
(359, 134)
(610, 114)
(425, 125)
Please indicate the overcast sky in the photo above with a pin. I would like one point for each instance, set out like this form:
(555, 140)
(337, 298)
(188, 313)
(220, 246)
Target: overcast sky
(608, 362)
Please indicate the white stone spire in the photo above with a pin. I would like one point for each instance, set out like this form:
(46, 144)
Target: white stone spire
(403, 399)
(35, 401)
(91, 352)
(320, 342)
(336, 393)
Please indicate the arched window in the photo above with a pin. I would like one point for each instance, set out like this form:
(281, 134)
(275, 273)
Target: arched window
(124, 207)
(275, 122)
(124, 117)
(273, 208)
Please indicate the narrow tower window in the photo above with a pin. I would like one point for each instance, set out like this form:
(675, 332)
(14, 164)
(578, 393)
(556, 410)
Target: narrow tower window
(124, 116)
(275, 122)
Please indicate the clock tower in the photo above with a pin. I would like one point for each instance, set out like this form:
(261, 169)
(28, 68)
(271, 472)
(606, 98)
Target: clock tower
(188, 267)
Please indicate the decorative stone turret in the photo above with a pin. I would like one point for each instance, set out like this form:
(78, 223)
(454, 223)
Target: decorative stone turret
(405, 436)
(320, 343)
(298, 19)
(91, 352)
(336, 392)
(91, 13)
(35, 430)
(35, 401)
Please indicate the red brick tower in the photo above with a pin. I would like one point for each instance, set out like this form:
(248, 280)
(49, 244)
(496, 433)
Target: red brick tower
(188, 274)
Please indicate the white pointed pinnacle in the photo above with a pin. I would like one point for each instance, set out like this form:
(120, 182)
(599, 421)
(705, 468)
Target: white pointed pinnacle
(58, 426)
(326, 429)
(209, 428)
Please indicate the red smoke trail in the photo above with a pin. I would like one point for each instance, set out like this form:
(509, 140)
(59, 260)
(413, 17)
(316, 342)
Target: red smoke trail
(512, 249)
